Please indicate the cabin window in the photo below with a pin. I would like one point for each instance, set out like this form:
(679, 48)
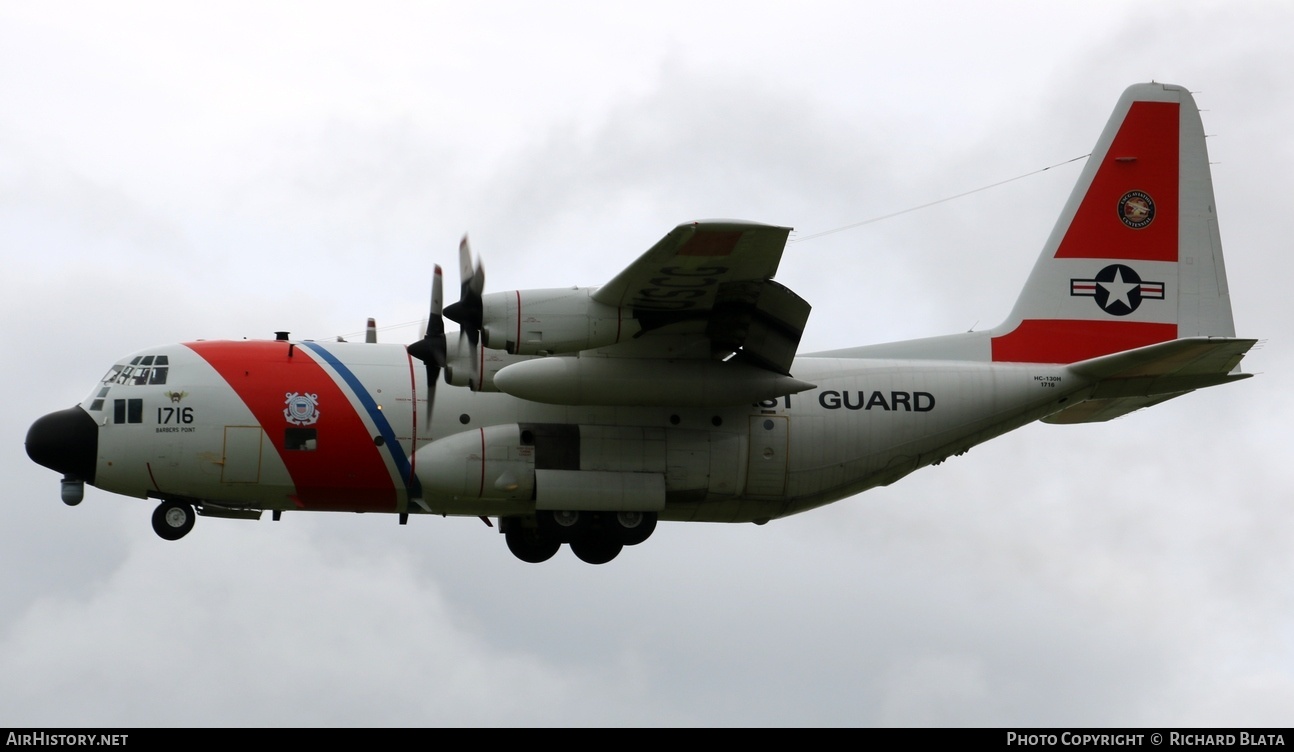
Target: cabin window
(300, 439)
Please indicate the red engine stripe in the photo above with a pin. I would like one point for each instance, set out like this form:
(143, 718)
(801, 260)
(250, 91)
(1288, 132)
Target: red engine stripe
(345, 471)
(481, 490)
(413, 391)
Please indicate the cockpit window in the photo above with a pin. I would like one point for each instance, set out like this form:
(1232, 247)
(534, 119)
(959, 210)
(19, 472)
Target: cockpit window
(97, 404)
(159, 370)
(143, 369)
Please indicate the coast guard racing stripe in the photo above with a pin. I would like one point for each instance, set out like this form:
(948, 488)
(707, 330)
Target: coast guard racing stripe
(344, 470)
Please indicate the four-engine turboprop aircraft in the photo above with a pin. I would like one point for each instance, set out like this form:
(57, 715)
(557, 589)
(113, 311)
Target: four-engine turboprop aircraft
(674, 391)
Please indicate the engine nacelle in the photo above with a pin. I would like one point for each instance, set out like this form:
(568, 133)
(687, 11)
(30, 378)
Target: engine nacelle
(458, 369)
(537, 322)
(488, 463)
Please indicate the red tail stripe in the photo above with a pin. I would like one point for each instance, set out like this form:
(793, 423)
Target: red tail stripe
(1069, 341)
(1143, 157)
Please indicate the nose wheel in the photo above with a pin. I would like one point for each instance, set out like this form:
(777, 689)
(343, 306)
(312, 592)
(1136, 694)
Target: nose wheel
(172, 520)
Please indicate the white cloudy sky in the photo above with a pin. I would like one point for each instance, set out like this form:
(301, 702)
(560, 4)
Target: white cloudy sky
(171, 172)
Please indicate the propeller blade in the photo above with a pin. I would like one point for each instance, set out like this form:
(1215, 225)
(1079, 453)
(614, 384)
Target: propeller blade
(431, 348)
(437, 299)
(476, 274)
(469, 311)
(464, 259)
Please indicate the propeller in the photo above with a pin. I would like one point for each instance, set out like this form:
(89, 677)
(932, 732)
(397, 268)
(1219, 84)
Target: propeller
(469, 311)
(431, 348)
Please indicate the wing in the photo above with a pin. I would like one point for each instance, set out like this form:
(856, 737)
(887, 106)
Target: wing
(713, 280)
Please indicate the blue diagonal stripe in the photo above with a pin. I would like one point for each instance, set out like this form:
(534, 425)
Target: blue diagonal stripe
(411, 484)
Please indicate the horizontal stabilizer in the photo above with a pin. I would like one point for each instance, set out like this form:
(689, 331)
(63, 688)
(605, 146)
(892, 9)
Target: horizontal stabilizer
(1101, 410)
(1146, 376)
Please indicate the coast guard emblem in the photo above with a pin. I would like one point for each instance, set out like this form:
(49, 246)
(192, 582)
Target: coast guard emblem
(302, 409)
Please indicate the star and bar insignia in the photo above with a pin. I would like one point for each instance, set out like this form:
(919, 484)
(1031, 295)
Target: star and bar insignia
(1118, 289)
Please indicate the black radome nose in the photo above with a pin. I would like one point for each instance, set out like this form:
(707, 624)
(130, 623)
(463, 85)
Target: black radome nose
(66, 441)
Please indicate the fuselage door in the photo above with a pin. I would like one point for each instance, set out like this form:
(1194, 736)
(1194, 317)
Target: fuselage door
(769, 447)
(242, 455)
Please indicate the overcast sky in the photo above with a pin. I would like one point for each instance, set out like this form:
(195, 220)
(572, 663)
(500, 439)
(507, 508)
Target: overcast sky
(169, 173)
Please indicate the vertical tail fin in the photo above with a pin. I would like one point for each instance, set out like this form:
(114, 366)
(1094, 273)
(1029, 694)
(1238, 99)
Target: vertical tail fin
(1135, 258)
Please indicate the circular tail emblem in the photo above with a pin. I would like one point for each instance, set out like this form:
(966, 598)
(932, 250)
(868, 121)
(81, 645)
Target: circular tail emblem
(1136, 209)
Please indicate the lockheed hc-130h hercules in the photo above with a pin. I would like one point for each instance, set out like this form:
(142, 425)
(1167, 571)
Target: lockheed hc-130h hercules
(582, 416)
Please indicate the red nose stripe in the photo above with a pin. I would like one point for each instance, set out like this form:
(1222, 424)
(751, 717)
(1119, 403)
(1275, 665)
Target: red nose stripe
(345, 471)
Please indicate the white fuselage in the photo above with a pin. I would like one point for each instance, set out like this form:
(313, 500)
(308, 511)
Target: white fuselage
(341, 427)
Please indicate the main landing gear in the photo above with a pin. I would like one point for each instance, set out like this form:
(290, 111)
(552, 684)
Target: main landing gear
(594, 537)
(172, 520)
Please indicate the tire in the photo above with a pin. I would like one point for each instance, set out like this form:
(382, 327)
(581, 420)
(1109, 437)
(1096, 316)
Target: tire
(172, 520)
(633, 528)
(564, 526)
(529, 543)
(597, 549)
